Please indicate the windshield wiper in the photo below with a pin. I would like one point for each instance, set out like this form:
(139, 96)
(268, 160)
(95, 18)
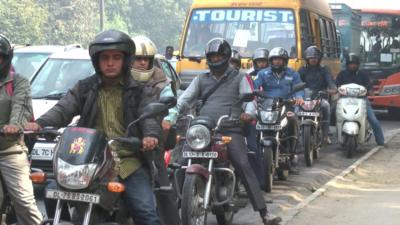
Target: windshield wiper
(56, 96)
(195, 58)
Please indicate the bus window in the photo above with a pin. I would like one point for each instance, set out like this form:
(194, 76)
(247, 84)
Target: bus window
(307, 38)
(244, 29)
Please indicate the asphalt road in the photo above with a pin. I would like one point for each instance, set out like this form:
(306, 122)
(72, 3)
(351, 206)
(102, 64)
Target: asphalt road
(287, 194)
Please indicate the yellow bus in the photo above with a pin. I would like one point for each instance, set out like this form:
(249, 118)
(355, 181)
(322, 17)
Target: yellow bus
(248, 25)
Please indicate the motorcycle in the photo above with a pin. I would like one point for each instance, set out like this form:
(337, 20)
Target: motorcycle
(351, 117)
(310, 124)
(210, 182)
(272, 122)
(85, 168)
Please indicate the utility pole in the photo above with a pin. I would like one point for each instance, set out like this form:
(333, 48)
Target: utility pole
(101, 15)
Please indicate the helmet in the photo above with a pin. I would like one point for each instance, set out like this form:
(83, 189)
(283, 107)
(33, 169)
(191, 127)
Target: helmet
(278, 52)
(353, 58)
(218, 46)
(259, 53)
(7, 52)
(147, 49)
(313, 52)
(236, 58)
(112, 40)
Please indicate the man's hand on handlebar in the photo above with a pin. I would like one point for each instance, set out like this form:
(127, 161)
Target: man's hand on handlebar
(149, 143)
(10, 129)
(32, 126)
(246, 117)
(299, 101)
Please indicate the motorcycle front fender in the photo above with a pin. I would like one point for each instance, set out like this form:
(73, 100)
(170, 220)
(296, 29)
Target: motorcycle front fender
(308, 122)
(351, 128)
(199, 170)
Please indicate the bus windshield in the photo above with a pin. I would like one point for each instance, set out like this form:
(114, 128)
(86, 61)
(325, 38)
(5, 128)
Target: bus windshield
(245, 30)
(380, 39)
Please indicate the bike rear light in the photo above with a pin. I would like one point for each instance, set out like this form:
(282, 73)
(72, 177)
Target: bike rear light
(38, 177)
(226, 139)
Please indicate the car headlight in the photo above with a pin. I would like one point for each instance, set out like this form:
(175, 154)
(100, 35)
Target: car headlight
(74, 176)
(269, 116)
(390, 90)
(198, 137)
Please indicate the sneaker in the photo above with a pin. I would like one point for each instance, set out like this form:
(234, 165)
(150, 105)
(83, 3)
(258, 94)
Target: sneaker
(327, 141)
(271, 220)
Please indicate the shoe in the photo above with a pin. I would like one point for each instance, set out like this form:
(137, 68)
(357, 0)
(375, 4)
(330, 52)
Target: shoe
(382, 144)
(271, 220)
(327, 141)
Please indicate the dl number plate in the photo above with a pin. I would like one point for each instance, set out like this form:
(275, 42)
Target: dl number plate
(308, 113)
(268, 127)
(73, 196)
(210, 155)
(43, 151)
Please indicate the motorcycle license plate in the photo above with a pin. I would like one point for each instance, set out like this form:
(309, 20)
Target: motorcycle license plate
(43, 151)
(268, 127)
(211, 155)
(73, 196)
(308, 113)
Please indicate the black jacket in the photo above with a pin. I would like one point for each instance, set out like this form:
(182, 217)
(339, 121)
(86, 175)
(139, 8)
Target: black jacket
(317, 78)
(82, 100)
(360, 77)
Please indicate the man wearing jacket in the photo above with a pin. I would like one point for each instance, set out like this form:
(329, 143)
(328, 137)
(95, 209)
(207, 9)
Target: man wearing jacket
(109, 101)
(15, 112)
(318, 78)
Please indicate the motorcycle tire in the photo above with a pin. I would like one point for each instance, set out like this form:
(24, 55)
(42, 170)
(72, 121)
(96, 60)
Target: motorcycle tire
(225, 218)
(192, 201)
(351, 146)
(268, 169)
(308, 146)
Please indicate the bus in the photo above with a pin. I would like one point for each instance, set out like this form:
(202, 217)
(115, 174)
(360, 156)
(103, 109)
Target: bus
(248, 25)
(380, 52)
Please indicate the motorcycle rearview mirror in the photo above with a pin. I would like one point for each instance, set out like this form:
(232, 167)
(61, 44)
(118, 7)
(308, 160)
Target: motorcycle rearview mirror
(297, 87)
(151, 110)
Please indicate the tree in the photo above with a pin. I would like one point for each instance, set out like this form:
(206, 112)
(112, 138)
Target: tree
(22, 21)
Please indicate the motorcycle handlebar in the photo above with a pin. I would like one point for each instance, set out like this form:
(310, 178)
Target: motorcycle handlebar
(133, 142)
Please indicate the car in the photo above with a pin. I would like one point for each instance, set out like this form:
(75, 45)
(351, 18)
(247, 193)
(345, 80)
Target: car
(166, 66)
(28, 59)
(60, 72)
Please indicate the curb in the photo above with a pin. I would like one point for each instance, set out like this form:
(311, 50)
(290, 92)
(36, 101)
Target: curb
(296, 210)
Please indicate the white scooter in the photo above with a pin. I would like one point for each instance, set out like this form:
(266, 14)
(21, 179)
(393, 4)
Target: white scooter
(351, 117)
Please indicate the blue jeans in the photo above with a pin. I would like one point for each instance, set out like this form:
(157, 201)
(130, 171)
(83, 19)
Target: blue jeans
(139, 198)
(376, 127)
(254, 159)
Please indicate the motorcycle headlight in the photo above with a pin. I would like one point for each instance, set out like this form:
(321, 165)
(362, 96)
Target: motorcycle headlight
(74, 176)
(308, 105)
(198, 137)
(269, 117)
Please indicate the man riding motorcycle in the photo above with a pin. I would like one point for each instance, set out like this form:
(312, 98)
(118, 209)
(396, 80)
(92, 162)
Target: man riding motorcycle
(236, 60)
(352, 74)
(221, 102)
(319, 78)
(16, 111)
(260, 61)
(108, 101)
(144, 71)
(278, 81)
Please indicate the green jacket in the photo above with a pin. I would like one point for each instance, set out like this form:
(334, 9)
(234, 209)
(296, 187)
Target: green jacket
(15, 109)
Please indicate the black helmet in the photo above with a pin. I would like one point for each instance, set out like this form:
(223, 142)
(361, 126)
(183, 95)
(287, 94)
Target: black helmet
(313, 52)
(353, 58)
(278, 52)
(112, 40)
(218, 46)
(7, 52)
(260, 53)
(236, 59)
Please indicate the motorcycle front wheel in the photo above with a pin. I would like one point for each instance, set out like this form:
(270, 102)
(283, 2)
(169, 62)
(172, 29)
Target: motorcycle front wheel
(308, 146)
(268, 169)
(351, 145)
(193, 212)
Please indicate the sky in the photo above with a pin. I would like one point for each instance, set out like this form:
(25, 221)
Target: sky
(374, 4)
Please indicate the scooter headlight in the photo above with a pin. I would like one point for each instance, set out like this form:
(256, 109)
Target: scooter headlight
(198, 137)
(269, 116)
(74, 176)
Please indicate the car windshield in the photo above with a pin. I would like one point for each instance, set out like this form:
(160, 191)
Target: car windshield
(57, 76)
(245, 29)
(27, 63)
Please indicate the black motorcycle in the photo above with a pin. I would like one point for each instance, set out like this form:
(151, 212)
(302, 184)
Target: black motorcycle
(85, 168)
(310, 126)
(274, 140)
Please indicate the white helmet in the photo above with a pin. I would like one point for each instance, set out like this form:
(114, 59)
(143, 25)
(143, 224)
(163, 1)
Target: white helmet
(147, 49)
